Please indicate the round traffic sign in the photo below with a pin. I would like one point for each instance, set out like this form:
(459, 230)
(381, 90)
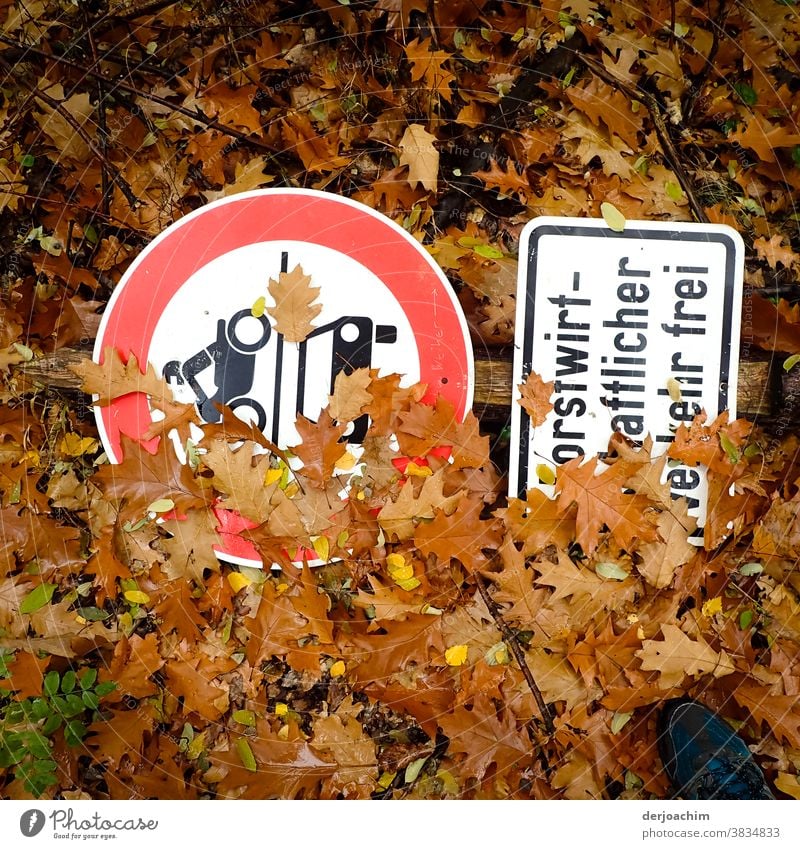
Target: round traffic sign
(185, 305)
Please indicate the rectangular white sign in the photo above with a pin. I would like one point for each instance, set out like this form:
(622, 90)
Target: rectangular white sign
(610, 317)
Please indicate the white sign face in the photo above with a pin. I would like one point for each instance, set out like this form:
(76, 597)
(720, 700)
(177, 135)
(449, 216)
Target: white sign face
(610, 317)
(246, 366)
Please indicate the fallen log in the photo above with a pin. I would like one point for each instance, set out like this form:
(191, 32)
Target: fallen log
(765, 393)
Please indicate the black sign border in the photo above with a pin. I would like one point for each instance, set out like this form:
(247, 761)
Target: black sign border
(629, 233)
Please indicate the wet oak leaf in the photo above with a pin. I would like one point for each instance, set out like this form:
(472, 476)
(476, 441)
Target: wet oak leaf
(386, 602)
(239, 476)
(135, 660)
(780, 713)
(426, 67)
(350, 394)
(114, 378)
(678, 655)
(508, 182)
(142, 478)
(340, 737)
(286, 766)
(120, 733)
(176, 610)
(294, 309)
(26, 672)
(424, 427)
(461, 534)
(399, 518)
(320, 447)
(535, 398)
(601, 501)
(537, 521)
(483, 736)
(662, 557)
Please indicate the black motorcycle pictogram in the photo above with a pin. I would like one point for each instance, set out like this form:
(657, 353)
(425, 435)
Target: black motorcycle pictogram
(234, 362)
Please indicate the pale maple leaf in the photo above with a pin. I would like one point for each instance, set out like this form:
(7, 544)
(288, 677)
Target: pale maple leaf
(294, 308)
(421, 157)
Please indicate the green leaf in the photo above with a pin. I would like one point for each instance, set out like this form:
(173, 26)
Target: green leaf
(790, 362)
(105, 688)
(612, 216)
(90, 699)
(745, 618)
(28, 160)
(51, 682)
(414, 769)
(39, 746)
(161, 505)
(244, 717)
(91, 234)
(611, 570)
(74, 707)
(750, 569)
(52, 724)
(746, 93)
(246, 755)
(618, 721)
(37, 598)
(673, 190)
(74, 732)
(68, 681)
(39, 709)
(730, 449)
(92, 614)
(488, 251)
(88, 677)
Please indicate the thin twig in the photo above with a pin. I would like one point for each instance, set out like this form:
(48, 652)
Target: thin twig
(717, 27)
(195, 115)
(662, 131)
(519, 655)
(102, 128)
(115, 173)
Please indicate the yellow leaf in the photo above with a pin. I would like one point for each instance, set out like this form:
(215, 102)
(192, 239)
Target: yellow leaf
(259, 307)
(712, 606)
(674, 389)
(75, 445)
(612, 216)
(386, 779)
(545, 473)
(272, 476)
(281, 709)
(788, 784)
(395, 561)
(415, 471)
(338, 669)
(238, 581)
(456, 655)
(407, 584)
(136, 597)
(346, 462)
(323, 547)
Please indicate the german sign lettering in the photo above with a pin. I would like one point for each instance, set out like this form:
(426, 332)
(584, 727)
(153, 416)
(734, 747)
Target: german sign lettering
(638, 330)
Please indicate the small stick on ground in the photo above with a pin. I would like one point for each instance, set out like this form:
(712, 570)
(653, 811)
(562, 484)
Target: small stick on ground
(114, 172)
(519, 655)
(664, 138)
